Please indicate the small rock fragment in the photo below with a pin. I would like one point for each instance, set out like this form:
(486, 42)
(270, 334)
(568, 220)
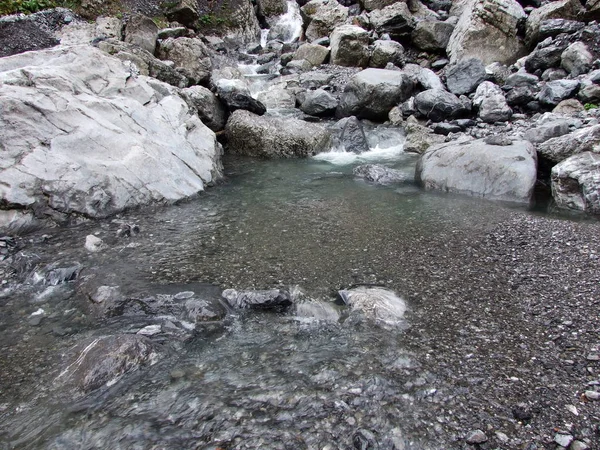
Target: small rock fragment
(93, 243)
(564, 440)
(476, 437)
(592, 395)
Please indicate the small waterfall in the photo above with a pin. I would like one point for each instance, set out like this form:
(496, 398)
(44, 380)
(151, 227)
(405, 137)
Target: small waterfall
(264, 34)
(288, 26)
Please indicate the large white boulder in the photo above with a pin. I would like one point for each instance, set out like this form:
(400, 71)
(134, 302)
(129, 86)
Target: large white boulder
(81, 133)
(576, 183)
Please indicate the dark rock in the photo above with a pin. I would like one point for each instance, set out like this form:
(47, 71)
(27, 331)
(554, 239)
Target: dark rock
(396, 20)
(20, 34)
(55, 277)
(184, 12)
(268, 299)
(446, 128)
(432, 35)
(553, 74)
(554, 92)
(211, 111)
(522, 413)
(520, 79)
(379, 174)
(464, 76)
(521, 96)
(476, 437)
(319, 103)
(385, 52)
(439, 105)
(141, 31)
(237, 96)
(554, 27)
(544, 58)
(266, 58)
(353, 137)
(349, 46)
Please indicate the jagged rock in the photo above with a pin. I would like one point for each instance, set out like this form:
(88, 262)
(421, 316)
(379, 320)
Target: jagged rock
(576, 59)
(371, 5)
(175, 32)
(319, 103)
(385, 52)
(109, 27)
(568, 107)
(464, 76)
(545, 131)
(236, 95)
(439, 105)
(490, 101)
(590, 94)
(562, 9)
(496, 172)
(560, 148)
(270, 8)
(554, 27)
(141, 31)
(372, 93)
(190, 55)
(349, 46)
(314, 54)
(379, 174)
(576, 183)
(520, 78)
(592, 10)
(432, 35)
(353, 137)
(554, 92)
(185, 12)
(144, 63)
(102, 360)
(543, 58)
(378, 304)
(100, 138)
(211, 111)
(268, 299)
(323, 17)
(553, 74)
(424, 77)
(487, 29)
(419, 138)
(396, 20)
(296, 66)
(274, 137)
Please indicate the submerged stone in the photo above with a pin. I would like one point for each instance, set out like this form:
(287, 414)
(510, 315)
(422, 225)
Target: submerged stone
(376, 303)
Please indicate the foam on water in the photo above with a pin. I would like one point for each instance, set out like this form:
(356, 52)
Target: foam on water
(339, 156)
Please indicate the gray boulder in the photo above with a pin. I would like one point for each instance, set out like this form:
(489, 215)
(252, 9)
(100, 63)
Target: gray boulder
(476, 168)
(211, 111)
(236, 95)
(141, 31)
(424, 77)
(590, 94)
(378, 174)
(272, 8)
(490, 101)
(562, 9)
(109, 27)
(396, 20)
(353, 138)
(267, 299)
(554, 27)
(554, 92)
(185, 12)
(385, 52)
(372, 93)
(322, 17)
(101, 139)
(576, 59)
(549, 130)
(190, 55)
(314, 54)
(349, 46)
(432, 36)
(274, 137)
(319, 103)
(488, 30)
(439, 105)
(464, 76)
(560, 148)
(520, 79)
(576, 183)
(569, 107)
(419, 138)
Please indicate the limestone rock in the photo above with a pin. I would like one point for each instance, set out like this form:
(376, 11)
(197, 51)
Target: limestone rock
(314, 54)
(568, 107)
(101, 139)
(385, 52)
(323, 16)
(141, 31)
(211, 111)
(545, 131)
(487, 29)
(490, 101)
(349, 46)
(371, 5)
(274, 137)
(372, 93)
(378, 304)
(419, 138)
(576, 183)
(464, 76)
(432, 36)
(576, 59)
(270, 8)
(495, 172)
(109, 27)
(190, 55)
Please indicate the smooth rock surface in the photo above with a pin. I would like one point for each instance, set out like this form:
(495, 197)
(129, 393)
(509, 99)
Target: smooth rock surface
(378, 304)
(464, 76)
(319, 103)
(385, 52)
(439, 105)
(556, 91)
(141, 31)
(432, 35)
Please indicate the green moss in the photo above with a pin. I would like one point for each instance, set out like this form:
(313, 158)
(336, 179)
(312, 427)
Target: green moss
(589, 106)
(31, 6)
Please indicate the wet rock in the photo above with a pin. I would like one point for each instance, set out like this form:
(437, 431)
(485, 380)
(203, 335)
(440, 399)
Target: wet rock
(563, 9)
(349, 46)
(316, 310)
(36, 317)
(236, 96)
(61, 275)
(490, 101)
(210, 110)
(464, 76)
(378, 304)
(476, 437)
(323, 16)
(190, 55)
(103, 360)
(268, 299)
(372, 93)
(319, 103)
(141, 31)
(314, 54)
(576, 183)
(274, 137)
(477, 168)
(396, 20)
(568, 107)
(379, 174)
(150, 330)
(385, 52)
(439, 105)
(271, 8)
(93, 243)
(199, 310)
(576, 59)
(564, 440)
(184, 12)
(554, 92)
(353, 137)
(560, 148)
(432, 35)
(107, 295)
(364, 440)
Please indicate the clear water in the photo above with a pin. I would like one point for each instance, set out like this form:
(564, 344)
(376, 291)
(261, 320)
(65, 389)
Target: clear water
(259, 380)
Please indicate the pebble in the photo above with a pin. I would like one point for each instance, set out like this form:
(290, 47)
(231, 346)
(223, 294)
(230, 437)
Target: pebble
(93, 243)
(476, 437)
(564, 440)
(579, 445)
(150, 330)
(593, 357)
(592, 395)
(502, 437)
(183, 295)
